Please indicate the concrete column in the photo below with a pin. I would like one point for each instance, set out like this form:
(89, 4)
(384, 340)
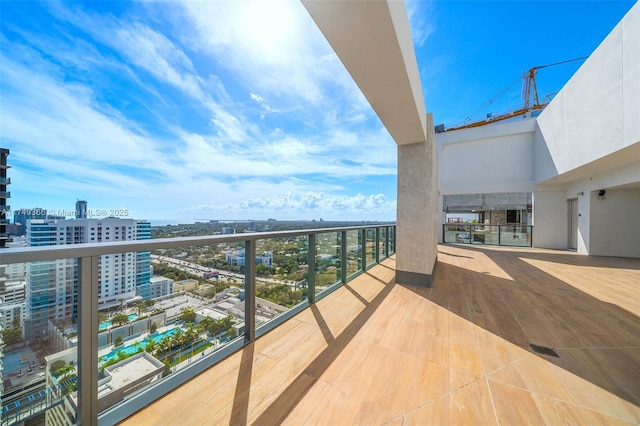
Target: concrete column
(417, 216)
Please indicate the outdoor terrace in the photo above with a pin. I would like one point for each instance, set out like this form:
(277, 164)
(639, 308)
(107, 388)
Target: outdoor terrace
(376, 352)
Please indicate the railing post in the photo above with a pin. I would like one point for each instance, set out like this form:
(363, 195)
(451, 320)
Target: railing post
(343, 257)
(377, 244)
(87, 413)
(311, 269)
(249, 291)
(392, 240)
(387, 238)
(363, 236)
(499, 234)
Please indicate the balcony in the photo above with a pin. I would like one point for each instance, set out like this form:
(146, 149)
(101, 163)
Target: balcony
(518, 336)
(5, 181)
(515, 335)
(46, 379)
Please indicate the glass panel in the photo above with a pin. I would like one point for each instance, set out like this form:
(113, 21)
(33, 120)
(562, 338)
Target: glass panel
(38, 376)
(328, 267)
(515, 235)
(457, 233)
(282, 285)
(354, 252)
(371, 247)
(188, 302)
(382, 244)
(392, 240)
(489, 233)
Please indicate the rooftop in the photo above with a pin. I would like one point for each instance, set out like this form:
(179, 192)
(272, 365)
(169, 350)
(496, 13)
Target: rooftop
(377, 352)
(128, 372)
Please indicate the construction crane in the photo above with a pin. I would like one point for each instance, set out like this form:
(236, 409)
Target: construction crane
(529, 96)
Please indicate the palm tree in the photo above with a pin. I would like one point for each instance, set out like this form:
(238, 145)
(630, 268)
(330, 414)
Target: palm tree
(164, 345)
(192, 333)
(178, 337)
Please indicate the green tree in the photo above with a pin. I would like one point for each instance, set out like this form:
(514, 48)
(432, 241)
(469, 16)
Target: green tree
(154, 327)
(118, 342)
(120, 319)
(232, 332)
(188, 315)
(261, 268)
(12, 335)
(191, 333)
(57, 365)
(177, 338)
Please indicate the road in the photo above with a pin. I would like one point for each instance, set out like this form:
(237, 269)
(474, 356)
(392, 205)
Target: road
(194, 268)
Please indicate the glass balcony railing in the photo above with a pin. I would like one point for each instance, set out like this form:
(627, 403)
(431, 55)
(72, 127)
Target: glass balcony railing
(99, 339)
(496, 235)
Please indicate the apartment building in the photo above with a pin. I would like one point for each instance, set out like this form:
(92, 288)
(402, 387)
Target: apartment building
(51, 291)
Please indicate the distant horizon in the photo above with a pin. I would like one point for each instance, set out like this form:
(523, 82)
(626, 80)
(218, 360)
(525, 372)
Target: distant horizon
(224, 221)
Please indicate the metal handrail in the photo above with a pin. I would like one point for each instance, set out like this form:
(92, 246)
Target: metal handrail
(35, 254)
(87, 255)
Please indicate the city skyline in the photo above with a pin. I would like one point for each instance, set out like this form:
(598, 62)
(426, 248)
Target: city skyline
(183, 111)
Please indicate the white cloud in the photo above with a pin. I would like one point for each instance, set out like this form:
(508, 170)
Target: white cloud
(312, 204)
(273, 47)
(421, 19)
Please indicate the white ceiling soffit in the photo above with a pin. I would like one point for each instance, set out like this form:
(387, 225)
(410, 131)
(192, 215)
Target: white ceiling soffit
(373, 41)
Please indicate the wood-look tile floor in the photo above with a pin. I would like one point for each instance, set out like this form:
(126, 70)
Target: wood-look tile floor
(375, 352)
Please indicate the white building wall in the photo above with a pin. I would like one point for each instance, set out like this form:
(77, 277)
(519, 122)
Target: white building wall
(614, 223)
(596, 112)
(15, 271)
(548, 230)
(493, 158)
(9, 312)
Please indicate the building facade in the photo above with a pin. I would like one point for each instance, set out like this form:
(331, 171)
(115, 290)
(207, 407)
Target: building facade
(21, 216)
(51, 291)
(237, 258)
(81, 209)
(160, 286)
(4, 195)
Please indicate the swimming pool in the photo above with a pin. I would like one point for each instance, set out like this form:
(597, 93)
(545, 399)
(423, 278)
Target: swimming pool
(11, 362)
(106, 324)
(133, 348)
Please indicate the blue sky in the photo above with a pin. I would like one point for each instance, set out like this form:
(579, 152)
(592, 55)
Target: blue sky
(192, 110)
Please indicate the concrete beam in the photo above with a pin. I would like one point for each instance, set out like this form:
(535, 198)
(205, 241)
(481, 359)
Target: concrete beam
(373, 41)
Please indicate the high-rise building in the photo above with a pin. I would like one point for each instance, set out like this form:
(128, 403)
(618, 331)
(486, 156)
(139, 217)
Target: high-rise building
(4, 194)
(52, 290)
(81, 209)
(4, 208)
(21, 216)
